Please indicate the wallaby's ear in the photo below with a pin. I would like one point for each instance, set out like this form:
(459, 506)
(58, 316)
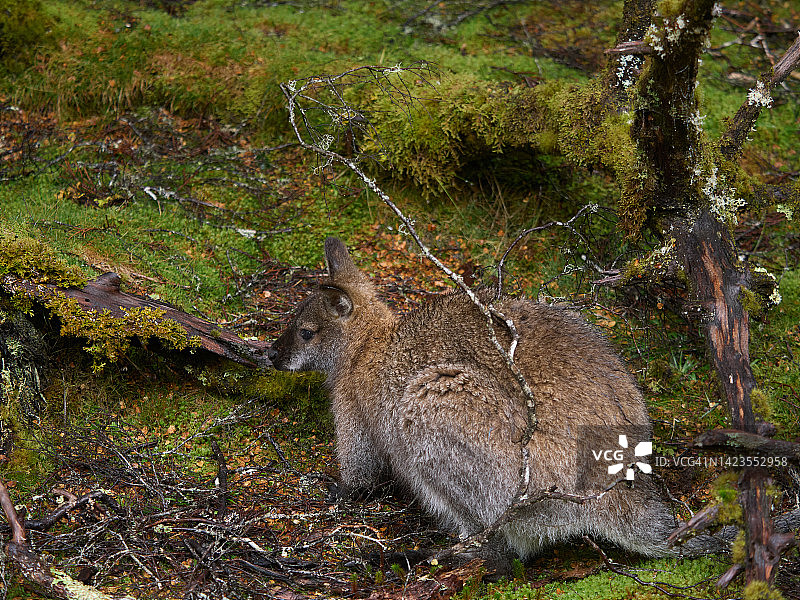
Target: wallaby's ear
(337, 302)
(337, 259)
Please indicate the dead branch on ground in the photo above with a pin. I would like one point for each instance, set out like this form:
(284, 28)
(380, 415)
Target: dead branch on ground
(34, 572)
(103, 295)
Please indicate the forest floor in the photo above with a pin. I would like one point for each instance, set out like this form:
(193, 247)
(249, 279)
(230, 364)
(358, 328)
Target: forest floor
(211, 480)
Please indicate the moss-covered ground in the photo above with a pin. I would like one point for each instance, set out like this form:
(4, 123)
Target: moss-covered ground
(155, 143)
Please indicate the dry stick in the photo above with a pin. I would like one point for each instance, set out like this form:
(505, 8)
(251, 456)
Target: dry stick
(733, 441)
(281, 456)
(489, 311)
(222, 480)
(72, 503)
(729, 575)
(18, 535)
(591, 208)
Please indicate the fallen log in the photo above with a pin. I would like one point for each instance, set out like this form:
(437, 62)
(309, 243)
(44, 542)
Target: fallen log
(734, 441)
(104, 294)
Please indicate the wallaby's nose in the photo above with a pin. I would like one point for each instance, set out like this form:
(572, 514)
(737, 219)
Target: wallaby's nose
(272, 354)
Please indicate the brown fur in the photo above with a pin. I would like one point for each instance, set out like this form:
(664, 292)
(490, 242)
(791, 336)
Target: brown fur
(429, 400)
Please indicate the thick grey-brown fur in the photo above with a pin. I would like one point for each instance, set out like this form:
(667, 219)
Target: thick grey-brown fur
(427, 399)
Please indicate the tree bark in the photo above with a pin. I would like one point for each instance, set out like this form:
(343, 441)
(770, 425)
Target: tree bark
(708, 255)
(764, 547)
(679, 198)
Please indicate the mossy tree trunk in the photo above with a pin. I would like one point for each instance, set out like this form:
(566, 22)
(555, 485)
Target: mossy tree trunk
(691, 205)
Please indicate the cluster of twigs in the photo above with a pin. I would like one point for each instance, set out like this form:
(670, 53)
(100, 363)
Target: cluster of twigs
(443, 15)
(755, 28)
(155, 158)
(126, 508)
(22, 140)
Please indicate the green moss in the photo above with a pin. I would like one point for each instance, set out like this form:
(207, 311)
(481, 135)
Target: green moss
(24, 27)
(725, 492)
(762, 403)
(670, 8)
(651, 267)
(738, 548)
(751, 302)
(304, 391)
(616, 587)
(463, 121)
(109, 336)
(761, 590)
(27, 465)
(31, 259)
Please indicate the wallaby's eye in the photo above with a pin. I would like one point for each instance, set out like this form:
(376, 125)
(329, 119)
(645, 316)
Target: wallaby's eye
(306, 334)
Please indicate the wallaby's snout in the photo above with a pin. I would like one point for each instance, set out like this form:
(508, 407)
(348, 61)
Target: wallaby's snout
(274, 357)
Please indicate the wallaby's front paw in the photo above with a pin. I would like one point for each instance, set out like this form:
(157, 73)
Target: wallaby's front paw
(340, 492)
(336, 493)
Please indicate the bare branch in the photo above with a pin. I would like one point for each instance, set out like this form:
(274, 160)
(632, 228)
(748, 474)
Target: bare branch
(631, 48)
(522, 501)
(734, 441)
(664, 588)
(700, 521)
(322, 148)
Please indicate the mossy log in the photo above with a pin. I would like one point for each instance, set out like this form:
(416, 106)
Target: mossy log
(104, 297)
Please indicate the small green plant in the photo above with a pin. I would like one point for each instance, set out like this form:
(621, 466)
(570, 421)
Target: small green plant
(683, 364)
(399, 571)
(518, 570)
(473, 586)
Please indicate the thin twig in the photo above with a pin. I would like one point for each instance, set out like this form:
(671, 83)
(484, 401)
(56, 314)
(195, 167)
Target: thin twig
(522, 501)
(659, 585)
(292, 92)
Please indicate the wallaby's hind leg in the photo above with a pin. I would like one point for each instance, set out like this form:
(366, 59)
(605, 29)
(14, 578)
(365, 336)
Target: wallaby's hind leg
(462, 471)
(636, 521)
